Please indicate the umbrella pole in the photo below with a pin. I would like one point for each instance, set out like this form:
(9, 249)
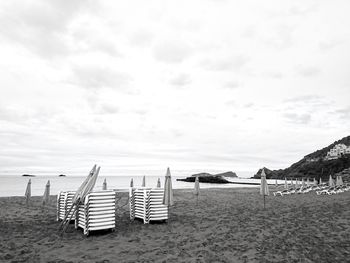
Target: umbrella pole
(264, 201)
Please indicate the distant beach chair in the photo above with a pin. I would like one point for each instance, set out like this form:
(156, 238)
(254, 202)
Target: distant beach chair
(147, 204)
(327, 191)
(281, 193)
(64, 203)
(97, 212)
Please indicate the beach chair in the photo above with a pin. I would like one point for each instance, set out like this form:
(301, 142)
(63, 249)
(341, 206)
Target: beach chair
(64, 203)
(281, 193)
(147, 204)
(97, 212)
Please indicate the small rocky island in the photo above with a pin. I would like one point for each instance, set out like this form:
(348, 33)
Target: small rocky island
(210, 178)
(29, 175)
(62, 175)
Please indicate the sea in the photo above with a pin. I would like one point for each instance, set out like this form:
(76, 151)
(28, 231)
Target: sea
(15, 185)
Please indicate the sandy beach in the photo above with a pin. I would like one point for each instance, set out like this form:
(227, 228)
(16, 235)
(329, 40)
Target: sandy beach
(227, 225)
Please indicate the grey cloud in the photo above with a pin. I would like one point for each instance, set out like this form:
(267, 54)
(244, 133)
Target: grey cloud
(40, 25)
(98, 77)
(297, 118)
(249, 32)
(108, 109)
(142, 37)
(106, 47)
(275, 74)
(232, 85)
(181, 80)
(282, 37)
(304, 98)
(231, 103)
(310, 102)
(172, 52)
(329, 44)
(344, 113)
(227, 63)
(301, 10)
(308, 71)
(248, 105)
(141, 112)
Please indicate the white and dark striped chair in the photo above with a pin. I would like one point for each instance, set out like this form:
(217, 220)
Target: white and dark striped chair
(146, 204)
(64, 203)
(97, 212)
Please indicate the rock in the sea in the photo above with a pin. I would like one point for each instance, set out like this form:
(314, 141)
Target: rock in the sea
(62, 175)
(213, 179)
(29, 175)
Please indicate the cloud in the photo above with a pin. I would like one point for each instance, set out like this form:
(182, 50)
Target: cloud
(107, 108)
(181, 80)
(94, 77)
(40, 25)
(225, 64)
(281, 37)
(329, 44)
(232, 85)
(303, 98)
(172, 52)
(344, 113)
(297, 118)
(274, 74)
(248, 105)
(141, 38)
(308, 71)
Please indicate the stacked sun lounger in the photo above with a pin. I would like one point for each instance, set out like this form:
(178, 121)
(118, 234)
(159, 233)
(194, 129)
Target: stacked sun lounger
(146, 204)
(64, 203)
(97, 212)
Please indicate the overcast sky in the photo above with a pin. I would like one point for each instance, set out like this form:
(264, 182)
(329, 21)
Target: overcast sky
(137, 86)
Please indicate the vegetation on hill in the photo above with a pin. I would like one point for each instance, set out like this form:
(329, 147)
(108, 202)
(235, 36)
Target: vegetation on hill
(313, 165)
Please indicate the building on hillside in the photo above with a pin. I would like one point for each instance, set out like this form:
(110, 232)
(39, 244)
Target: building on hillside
(337, 151)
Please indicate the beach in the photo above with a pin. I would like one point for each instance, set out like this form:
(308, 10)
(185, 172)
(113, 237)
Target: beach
(227, 225)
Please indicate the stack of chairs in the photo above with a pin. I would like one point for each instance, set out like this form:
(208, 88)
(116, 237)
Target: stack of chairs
(147, 204)
(97, 212)
(64, 203)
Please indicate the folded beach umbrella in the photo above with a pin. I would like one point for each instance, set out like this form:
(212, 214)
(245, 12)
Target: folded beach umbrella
(104, 186)
(144, 181)
(168, 190)
(264, 188)
(315, 181)
(292, 183)
(81, 187)
(308, 182)
(341, 180)
(196, 186)
(276, 184)
(28, 192)
(285, 183)
(330, 182)
(320, 180)
(46, 197)
(132, 182)
(158, 183)
(337, 181)
(303, 183)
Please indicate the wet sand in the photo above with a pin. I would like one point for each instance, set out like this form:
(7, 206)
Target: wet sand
(227, 225)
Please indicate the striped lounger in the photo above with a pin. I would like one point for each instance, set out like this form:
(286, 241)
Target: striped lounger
(146, 204)
(64, 202)
(97, 212)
